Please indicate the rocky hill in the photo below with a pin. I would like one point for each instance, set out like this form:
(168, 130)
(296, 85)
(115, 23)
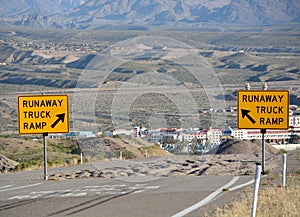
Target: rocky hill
(47, 7)
(95, 14)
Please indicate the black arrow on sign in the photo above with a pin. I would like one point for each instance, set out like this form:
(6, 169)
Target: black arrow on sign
(245, 113)
(60, 117)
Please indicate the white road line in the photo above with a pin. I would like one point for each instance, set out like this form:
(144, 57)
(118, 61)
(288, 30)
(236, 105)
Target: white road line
(20, 197)
(207, 199)
(19, 187)
(242, 185)
(5, 186)
(151, 187)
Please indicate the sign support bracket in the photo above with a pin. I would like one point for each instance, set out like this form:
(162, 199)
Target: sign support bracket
(45, 155)
(263, 151)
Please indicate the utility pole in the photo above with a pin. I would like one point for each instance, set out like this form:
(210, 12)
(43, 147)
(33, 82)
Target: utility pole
(265, 86)
(247, 86)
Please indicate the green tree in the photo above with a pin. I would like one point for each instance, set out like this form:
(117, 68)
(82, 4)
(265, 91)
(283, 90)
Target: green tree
(294, 139)
(169, 140)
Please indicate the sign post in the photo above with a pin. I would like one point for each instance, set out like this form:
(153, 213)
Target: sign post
(263, 109)
(263, 150)
(43, 114)
(45, 156)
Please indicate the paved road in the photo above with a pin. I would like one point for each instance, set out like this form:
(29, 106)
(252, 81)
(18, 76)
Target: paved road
(131, 196)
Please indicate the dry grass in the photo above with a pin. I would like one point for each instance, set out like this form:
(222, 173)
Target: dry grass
(29, 153)
(272, 201)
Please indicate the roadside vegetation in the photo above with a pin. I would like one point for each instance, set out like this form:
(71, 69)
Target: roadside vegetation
(273, 200)
(28, 152)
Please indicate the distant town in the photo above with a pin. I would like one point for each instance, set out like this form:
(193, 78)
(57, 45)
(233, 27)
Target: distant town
(198, 141)
(32, 45)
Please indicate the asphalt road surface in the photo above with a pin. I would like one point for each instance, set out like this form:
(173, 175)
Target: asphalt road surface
(22, 195)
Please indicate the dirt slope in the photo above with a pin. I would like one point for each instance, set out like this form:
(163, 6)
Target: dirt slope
(236, 146)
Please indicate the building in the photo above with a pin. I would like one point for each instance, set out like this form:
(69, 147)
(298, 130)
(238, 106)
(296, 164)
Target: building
(159, 136)
(73, 134)
(272, 136)
(139, 132)
(294, 121)
(214, 136)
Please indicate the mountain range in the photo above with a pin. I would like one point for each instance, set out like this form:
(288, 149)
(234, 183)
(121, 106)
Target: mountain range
(97, 14)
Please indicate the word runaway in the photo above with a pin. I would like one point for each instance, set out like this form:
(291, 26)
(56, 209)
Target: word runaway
(262, 98)
(42, 103)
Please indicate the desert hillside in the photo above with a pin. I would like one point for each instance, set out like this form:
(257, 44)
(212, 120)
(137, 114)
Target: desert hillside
(24, 153)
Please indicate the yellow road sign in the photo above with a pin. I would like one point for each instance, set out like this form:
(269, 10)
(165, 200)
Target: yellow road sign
(43, 114)
(263, 109)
